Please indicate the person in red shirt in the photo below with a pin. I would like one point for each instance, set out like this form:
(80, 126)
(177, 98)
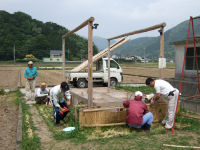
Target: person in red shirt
(138, 113)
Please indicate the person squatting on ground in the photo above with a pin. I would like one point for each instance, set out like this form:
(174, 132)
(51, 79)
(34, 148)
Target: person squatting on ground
(58, 95)
(41, 96)
(138, 114)
(168, 91)
(30, 74)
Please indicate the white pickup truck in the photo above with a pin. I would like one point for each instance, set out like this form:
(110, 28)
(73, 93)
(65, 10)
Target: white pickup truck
(80, 79)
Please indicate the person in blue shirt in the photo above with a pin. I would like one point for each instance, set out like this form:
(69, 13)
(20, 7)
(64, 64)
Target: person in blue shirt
(30, 74)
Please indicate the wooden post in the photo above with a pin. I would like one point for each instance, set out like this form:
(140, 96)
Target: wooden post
(90, 64)
(108, 65)
(161, 49)
(75, 113)
(63, 58)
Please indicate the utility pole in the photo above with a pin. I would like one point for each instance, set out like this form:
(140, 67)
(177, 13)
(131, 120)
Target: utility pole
(144, 55)
(14, 53)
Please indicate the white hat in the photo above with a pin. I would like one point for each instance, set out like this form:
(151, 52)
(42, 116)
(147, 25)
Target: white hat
(138, 93)
(30, 62)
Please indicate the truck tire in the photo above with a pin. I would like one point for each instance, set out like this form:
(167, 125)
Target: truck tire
(113, 82)
(82, 83)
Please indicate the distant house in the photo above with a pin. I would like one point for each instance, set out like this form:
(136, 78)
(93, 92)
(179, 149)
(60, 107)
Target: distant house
(116, 56)
(55, 56)
(190, 73)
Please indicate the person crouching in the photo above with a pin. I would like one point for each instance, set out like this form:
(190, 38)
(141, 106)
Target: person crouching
(138, 114)
(58, 95)
(41, 96)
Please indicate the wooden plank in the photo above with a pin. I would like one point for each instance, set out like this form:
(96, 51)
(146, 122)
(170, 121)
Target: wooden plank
(105, 125)
(99, 55)
(85, 23)
(190, 116)
(139, 31)
(108, 66)
(102, 109)
(161, 49)
(75, 113)
(90, 65)
(180, 146)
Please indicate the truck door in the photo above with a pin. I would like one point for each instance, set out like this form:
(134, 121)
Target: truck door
(115, 70)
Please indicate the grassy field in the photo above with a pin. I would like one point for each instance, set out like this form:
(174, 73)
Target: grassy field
(144, 89)
(187, 132)
(30, 140)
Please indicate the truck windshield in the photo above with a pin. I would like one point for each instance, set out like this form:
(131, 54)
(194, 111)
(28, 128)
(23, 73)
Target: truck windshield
(113, 64)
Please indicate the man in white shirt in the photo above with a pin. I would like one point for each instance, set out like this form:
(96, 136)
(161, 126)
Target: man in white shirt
(41, 96)
(168, 91)
(58, 95)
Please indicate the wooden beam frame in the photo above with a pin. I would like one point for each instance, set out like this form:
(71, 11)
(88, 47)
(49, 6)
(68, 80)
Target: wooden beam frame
(161, 49)
(161, 26)
(90, 65)
(139, 31)
(85, 23)
(89, 23)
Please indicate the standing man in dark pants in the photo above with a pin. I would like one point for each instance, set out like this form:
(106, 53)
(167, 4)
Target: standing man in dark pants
(60, 98)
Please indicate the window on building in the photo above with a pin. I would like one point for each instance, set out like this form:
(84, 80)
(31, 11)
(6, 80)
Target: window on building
(190, 58)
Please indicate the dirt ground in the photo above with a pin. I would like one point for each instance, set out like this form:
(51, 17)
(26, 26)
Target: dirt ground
(8, 123)
(46, 138)
(145, 71)
(10, 76)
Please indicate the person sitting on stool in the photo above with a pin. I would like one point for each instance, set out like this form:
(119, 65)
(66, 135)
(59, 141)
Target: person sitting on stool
(42, 93)
(138, 114)
(58, 95)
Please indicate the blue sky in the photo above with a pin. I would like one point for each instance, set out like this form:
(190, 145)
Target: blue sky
(114, 16)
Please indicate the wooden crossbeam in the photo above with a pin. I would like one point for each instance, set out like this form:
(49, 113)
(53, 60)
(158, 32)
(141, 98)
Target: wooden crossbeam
(99, 55)
(85, 23)
(139, 31)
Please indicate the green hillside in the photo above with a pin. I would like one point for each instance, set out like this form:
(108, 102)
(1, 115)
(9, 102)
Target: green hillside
(150, 46)
(102, 43)
(31, 36)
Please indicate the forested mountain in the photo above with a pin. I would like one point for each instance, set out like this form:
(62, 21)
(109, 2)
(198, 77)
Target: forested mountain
(31, 36)
(150, 46)
(101, 43)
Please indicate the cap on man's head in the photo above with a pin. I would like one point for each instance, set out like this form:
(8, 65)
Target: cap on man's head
(30, 63)
(149, 80)
(138, 93)
(65, 86)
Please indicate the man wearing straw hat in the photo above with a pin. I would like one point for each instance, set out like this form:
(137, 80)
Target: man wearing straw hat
(30, 74)
(41, 96)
